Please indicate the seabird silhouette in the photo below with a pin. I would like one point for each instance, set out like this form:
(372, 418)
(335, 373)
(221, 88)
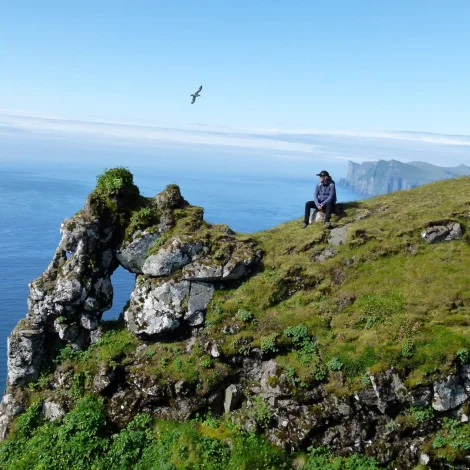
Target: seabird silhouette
(196, 95)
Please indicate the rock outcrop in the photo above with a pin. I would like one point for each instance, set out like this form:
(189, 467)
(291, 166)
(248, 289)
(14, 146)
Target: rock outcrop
(66, 302)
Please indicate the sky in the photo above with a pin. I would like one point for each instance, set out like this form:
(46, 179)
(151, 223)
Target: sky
(291, 79)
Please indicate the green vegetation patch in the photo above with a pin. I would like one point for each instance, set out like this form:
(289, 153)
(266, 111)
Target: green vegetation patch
(385, 298)
(169, 361)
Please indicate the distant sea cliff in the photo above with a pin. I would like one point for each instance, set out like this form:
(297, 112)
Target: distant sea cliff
(382, 177)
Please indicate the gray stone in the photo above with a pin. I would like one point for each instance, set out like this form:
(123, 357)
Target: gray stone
(201, 271)
(133, 256)
(442, 233)
(156, 308)
(95, 335)
(233, 398)
(448, 394)
(52, 410)
(199, 297)
(170, 258)
(424, 459)
(421, 396)
(88, 321)
(9, 408)
(160, 306)
(327, 253)
(269, 369)
(465, 377)
(339, 236)
(236, 268)
(25, 349)
(214, 351)
(190, 345)
(182, 388)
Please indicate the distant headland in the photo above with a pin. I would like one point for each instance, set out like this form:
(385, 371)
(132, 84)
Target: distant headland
(382, 177)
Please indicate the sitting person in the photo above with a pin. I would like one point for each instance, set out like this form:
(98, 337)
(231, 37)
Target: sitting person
(324, 198)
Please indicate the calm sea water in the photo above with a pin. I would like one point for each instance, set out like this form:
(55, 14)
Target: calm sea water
(35, 199)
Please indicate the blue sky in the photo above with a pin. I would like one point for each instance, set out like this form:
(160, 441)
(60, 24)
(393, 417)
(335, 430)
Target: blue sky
(358, 65)
(300, 80)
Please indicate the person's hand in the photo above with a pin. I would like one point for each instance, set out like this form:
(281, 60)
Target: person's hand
(320, 207)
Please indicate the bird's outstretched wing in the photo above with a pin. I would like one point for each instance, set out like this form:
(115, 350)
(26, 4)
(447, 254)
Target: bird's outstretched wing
(200, 88)
(194, 99)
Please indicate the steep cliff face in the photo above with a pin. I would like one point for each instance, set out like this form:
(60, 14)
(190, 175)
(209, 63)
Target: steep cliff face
(383, 177)
(356, 338)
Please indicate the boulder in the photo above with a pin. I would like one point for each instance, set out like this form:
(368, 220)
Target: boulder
(25, 348)
(170, 258)
(52, 410)
(339, 236)
(448, 394)
(161, 306)
(133, 255)
(442, 233)
(233, 398)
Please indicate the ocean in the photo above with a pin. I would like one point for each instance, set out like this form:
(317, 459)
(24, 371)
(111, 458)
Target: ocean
(36, 197)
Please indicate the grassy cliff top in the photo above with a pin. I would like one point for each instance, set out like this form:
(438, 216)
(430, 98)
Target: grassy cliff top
(385, 298)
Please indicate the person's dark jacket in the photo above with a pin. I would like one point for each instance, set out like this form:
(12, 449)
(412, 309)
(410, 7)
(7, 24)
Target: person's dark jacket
(325, 192)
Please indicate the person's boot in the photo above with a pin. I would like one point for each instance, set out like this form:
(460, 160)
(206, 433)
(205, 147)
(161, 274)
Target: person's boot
(328, 224)
(304, 225)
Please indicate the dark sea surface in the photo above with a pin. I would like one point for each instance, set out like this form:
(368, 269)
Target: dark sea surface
(34, 199)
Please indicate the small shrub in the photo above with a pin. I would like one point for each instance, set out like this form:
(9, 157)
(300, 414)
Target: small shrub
(407, 348)
(143, 218)
(298, 334)
(260, 412)
(292, 376)
(463, 355)
(365, 379)
(334, 364)
(453, 440)
(421, 414)
(205, 363)
(114, 179)
(390, 426)
(178, 365)
(244, 315)
(268, 344)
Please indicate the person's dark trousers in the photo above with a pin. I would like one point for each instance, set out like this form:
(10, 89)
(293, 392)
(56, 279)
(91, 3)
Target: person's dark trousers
(329, 209)
(308, 206)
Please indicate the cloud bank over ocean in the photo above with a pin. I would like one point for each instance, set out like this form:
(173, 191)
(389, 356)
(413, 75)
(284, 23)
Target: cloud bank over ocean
(331, 147)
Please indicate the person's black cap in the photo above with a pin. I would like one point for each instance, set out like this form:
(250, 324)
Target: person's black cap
(323, 173)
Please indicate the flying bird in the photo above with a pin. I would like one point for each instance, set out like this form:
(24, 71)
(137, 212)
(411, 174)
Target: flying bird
(196, 95)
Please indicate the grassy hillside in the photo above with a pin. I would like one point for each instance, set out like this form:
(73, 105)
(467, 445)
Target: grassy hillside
(386, 298)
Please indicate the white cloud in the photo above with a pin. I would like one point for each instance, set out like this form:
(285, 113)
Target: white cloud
(277, 143)
(146, 134)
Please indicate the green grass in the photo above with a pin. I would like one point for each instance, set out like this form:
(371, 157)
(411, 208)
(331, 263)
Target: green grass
(374, 304)
(83, 440)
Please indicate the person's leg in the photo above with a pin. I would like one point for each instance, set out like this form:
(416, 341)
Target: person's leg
(328, 209)
(308, 205)
(334, 208)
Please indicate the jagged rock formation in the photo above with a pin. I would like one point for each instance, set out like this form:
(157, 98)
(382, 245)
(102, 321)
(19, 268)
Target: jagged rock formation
(382, 177)
(66, 302)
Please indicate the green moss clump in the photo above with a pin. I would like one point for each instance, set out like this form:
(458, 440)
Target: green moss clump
(114, 198)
